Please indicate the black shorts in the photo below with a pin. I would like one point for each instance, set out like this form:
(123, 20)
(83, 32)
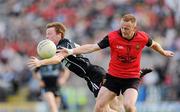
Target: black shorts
(51, 85)
(94, 78)
(116, 84)
(54, 90)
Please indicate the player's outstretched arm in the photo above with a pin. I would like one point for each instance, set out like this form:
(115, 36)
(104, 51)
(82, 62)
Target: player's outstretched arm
(157, 47)
(84, 49)
(34, 62)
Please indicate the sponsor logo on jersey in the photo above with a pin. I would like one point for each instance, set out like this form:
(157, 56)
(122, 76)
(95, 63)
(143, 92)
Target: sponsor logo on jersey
(119, 47)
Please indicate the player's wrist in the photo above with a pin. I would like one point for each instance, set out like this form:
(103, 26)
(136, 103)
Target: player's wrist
(70, 51)
(162, 52)
(41, 63)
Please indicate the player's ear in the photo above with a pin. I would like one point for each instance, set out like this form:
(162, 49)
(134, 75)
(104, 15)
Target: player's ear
(59, 35)
(134, 25)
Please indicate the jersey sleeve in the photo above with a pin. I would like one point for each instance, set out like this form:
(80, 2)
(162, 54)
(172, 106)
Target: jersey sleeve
(148, 40)
(69, 45)
(104, 43)
(149, 43)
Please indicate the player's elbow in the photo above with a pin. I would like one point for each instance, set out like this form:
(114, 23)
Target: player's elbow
(129, 107)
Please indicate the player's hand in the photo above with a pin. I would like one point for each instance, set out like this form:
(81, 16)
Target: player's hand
(168, 53)
(62, 50)
(65, 51)
(33, 63)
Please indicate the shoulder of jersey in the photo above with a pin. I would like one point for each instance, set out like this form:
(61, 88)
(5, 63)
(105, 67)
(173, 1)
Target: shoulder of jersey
(66, 40)
(142, 33)
(63, 41)
(114, 32)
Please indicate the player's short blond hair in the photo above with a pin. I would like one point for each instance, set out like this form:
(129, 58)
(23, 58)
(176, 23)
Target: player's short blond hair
(59, 27)
(129, 17)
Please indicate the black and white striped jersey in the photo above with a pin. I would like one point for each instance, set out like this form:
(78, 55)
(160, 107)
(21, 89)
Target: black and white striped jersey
(77, 64)
(82, 67)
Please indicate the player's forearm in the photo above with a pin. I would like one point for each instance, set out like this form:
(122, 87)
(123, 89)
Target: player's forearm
(54, 60)
(157, 47)
(47, 62)
(84, 49)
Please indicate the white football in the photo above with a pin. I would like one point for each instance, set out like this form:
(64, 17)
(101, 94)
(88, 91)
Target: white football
(46, 49)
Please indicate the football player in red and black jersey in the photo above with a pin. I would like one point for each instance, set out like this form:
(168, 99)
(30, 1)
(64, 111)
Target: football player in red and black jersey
(126, 45)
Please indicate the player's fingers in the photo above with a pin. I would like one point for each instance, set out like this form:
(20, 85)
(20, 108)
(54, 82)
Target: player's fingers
(171, 54)
(32, 57)
(30, 62)
(31, 66)
(63, 49)
(58, 50)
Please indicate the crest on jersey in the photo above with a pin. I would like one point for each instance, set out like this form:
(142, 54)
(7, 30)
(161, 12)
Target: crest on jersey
(137, 46)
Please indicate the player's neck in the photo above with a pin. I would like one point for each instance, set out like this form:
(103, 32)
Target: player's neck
(130, 36)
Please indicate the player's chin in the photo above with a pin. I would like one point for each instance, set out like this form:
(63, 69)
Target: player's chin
(125, 36)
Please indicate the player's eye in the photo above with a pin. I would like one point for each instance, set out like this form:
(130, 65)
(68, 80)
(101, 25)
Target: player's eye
(126, 29)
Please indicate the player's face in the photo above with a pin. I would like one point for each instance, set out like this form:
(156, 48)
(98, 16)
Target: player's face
(127, 29)
(52, 35)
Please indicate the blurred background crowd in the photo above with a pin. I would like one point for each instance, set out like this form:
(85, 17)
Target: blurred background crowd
(22, 26)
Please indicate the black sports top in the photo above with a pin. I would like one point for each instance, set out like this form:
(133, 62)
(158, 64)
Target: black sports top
(77, 64)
